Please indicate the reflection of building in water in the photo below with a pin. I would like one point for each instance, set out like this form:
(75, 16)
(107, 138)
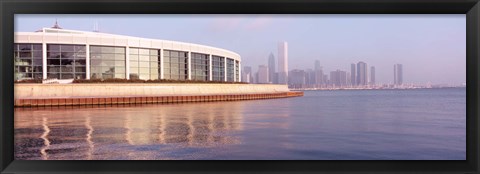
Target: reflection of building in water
(44, 137)
(90, 133)
(199, 124)
(90, 129)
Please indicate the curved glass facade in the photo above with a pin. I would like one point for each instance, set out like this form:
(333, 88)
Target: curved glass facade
(92, 61)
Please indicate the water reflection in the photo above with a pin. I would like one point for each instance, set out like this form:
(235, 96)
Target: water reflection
(124, 131)
(44, 136)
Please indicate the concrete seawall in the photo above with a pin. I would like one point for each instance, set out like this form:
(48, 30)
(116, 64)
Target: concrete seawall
(28, 95)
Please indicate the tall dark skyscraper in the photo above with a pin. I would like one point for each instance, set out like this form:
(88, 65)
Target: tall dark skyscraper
(271, 68)
(319, 81)
(362, 74)
(372, 75)
(353, 75)
(398, 74)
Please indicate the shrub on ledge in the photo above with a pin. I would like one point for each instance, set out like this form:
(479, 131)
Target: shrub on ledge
(150, 81)
(28, 81)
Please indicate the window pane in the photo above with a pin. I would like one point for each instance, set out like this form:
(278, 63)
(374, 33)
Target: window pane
(120, 50)
(144, 64)
(133, 64)
(133, 57)
(154, 58)
(144, 52)
(25, 47)
(144, 58)
(95, 49)
(119, 57)
(66, 48)
(66, 61)
(119, 63)
(38, 62)
(108, 49)
(133, 51)
(80, 69)
(80, 62)
(53, 61)
(153, 52)
(134, 70)
(80, 48)
(67, 55)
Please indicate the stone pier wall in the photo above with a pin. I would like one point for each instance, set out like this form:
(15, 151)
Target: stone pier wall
(32, 95)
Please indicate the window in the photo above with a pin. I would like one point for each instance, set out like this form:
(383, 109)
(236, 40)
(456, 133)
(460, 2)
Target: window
(230, 70)
(175, 64)
(218, 68)
(28, 63)
(107, 62)
(200, 67)
(144, 64)
(66, 61)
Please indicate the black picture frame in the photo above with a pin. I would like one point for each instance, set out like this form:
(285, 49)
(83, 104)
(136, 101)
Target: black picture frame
(10, 7)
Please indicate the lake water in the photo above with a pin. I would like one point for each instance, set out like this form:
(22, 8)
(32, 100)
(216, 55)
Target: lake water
(344, 124)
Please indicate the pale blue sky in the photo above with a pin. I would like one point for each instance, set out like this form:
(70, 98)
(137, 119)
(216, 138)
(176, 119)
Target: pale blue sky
(432, 48)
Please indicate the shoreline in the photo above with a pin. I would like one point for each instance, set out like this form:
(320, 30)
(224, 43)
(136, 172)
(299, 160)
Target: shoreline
(347, 89)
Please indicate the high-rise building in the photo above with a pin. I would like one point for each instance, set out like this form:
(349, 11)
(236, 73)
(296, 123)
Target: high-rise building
(282, 63)
(296, 79)
(338, 78)
(349, 80)
(372, 75)
(310, 78)
(262, 74)
(247, 74)
(318, 74)
(325, 81)
(362, 74)
(317, 65)
(271, 68)
(353, 75)
(398, 74)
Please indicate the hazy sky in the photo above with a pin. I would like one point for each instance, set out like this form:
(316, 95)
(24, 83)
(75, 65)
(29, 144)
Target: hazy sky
(432, 48)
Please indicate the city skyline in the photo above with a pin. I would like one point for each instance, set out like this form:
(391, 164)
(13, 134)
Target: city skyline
(380, 40)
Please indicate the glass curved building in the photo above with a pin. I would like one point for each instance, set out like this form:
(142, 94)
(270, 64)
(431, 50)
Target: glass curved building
(68, 54)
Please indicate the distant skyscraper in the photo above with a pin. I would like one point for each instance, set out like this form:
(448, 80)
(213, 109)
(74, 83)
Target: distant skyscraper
(398, 74)
(349, 80)
(318, 74)
(296, 79)
(282, 63)
(271, 68)
(372, 75)
(353, 76)
(317, 65)
(338, 78)
(247, 74)
(362, 74)
(310, 78)
(262, 74)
